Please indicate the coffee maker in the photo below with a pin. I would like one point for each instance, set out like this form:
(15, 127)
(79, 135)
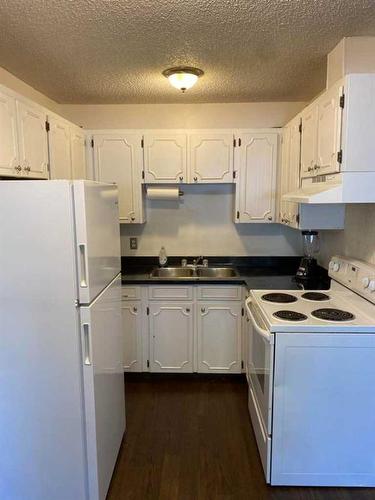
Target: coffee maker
(308, 268)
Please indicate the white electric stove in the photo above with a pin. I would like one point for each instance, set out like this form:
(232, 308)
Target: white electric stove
(311, 372)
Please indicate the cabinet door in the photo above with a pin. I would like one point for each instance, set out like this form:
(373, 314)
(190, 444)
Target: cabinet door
(293, 183)
(132, 328)
(78, 153)
(257, 183)
(284, 173)
(219, 337)
(309, 141)
(33, 142)
(59, 149)
(165, 158)
(171, 336)
(9, 160)
(329, 131)
(211, 158)
(118, 159)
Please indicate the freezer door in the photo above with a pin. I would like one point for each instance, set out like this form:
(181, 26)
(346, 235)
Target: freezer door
(101, 338)
(97, 237)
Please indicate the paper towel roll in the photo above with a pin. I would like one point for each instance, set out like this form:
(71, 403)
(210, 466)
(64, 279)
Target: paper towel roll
(162, 193)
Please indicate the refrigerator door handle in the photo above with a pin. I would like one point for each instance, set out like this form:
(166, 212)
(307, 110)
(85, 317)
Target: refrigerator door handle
(82, 266)
(86, 344)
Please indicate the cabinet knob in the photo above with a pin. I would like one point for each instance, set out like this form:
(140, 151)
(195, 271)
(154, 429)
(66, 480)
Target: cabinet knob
(195, 179)
(27, 169)
(187, 309)
(269, 218)
(132, 219)
(203, 310)
(18, 168)
(135, 309)
(181, 178)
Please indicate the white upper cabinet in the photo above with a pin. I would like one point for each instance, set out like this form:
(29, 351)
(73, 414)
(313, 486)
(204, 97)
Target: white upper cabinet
(78, 152)
(165, 157)
(256, 184)
(118, 159)
(210, 158)
(32, 137)
(329, 131)
(309, 140)
(59, 148)
(9, 157)
(24, 148)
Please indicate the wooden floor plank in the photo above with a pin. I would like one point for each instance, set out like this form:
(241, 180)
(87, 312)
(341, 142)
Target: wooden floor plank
(190, 438)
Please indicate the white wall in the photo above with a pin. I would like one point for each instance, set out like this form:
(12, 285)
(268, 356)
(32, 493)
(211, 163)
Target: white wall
(24, 89)
(356, 240)
(202, 224)
(236, 115)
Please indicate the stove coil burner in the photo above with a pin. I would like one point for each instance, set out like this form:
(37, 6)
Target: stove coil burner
(315, 296)
(290, 315)
(330, 314)
(282, 298)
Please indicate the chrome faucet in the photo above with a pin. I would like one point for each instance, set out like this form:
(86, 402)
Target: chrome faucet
(197, 260)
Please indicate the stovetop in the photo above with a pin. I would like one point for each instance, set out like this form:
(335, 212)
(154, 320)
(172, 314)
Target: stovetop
(336, 310)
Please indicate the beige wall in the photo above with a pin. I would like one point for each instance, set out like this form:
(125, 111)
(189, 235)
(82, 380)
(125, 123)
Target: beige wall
(356, 240)
(202, 224)
(143, 116)
(24, 89)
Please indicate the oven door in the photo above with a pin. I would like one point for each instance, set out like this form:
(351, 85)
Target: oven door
(260, 364)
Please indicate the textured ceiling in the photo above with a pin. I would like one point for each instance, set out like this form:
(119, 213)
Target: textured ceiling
(113, 51)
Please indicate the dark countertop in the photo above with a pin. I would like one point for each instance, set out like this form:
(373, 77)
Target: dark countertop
(273, 273)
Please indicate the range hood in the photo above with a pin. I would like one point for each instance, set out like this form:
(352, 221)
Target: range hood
(347, 187)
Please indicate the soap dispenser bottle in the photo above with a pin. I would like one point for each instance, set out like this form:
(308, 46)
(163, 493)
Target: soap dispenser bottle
(162, 257)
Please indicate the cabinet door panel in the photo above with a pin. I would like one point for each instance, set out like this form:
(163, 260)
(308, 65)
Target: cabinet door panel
(118, 159)
(33, 141)
(308, 141)
(131, 319)
(219, 337)
(78, 154)
(211, 158)
(59, 149)
(8, 131)
(165, 158)
(257, 183)
(171, 337)
(329, 131)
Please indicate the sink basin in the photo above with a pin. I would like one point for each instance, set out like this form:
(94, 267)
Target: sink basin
(217, 272)
(172, 272)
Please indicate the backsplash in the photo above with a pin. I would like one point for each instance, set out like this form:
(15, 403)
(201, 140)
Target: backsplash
(357, 240)
(201, 223)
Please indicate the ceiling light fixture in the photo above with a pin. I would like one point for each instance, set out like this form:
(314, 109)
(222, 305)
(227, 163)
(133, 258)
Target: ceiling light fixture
(182, 77)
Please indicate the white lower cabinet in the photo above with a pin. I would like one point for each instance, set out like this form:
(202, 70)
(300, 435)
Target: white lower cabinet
(171, 336)
(132, 327)
(219, 337)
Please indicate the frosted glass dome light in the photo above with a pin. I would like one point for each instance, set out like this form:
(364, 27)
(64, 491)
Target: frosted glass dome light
(183, 78)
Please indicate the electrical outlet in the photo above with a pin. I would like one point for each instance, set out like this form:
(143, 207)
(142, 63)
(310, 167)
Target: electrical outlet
(133, 243)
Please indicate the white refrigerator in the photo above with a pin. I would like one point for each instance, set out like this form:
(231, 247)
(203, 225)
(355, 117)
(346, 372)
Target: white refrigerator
(62, 408)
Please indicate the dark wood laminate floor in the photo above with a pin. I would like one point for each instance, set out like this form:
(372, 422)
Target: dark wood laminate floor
(190, 438)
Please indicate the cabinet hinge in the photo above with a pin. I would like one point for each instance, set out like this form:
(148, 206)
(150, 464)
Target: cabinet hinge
(148, 363)
(148, 311)
(47, 126)
(297, 218)
(92, 143)
(300, 128)
(243, 311)
(234, 174)
(234, 143)
(342, 101)
(242, 365)
(339, 156)
(237, 215)
(239, 141)
(142, 143)
(143, 174)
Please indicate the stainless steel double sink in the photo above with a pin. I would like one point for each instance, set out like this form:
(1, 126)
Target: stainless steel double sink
(194, 272)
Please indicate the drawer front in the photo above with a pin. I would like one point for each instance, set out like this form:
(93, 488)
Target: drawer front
(219, 292)
(170, 292)
(130, 292)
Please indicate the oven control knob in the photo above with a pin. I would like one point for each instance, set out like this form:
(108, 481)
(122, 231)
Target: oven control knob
(372, 285)
(365, 282)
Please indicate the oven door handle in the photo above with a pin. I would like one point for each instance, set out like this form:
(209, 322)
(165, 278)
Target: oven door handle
(263, 333)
